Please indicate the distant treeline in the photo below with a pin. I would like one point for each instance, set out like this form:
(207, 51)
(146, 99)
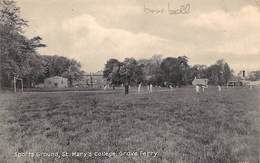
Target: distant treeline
(19, 58)
(18, 55)
(164, 72)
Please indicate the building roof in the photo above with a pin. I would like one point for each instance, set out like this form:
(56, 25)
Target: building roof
(201, 81)
(257, 83)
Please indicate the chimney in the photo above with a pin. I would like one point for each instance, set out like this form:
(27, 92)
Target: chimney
(244, 74)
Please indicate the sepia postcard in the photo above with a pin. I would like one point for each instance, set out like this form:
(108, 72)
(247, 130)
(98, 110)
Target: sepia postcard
(129, 81)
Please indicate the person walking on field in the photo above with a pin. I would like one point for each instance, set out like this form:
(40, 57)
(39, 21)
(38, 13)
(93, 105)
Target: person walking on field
(151, 88)
(148, 88)
(203, 88)
(171, 88)
(126, 88)
(139, 88)
(219, 89)
(197, 88)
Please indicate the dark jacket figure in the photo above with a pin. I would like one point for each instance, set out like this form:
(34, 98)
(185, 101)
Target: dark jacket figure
(114, 87)
(126, 88)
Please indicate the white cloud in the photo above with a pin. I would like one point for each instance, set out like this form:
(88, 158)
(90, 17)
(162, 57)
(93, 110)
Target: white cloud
(232, 35)
(95, 43)
(219, 20)
(238, 31)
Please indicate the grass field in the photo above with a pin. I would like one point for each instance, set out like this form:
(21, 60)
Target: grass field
(179, 125)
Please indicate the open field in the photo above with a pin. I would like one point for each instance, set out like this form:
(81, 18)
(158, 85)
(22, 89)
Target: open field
(179, 125)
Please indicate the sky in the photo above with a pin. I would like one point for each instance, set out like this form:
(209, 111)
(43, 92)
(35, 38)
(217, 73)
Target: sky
(93, 31)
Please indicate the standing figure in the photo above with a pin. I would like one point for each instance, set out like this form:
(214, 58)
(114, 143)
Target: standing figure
(197, 89)
(250, 86)
(203, 88)
(126, 88)
(148, 88)
(139, 88)
(151, 88)
(219, 88)
(171, 88)
(114, 87)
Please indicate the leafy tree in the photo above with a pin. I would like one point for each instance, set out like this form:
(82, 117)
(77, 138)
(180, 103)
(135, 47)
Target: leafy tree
(16, 52)
(175, 70)
(18, 55)
(227, 72)
(213, 72)
(169, 69)
(183, 69)
(10, 19)
(62, 66)
(130, 71)
(127, 72)
(73, 72)
(111, 71)
(151, 69)
(219, 73)
(198, 71)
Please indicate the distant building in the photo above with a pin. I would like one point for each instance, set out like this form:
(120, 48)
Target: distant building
(254, 75)
(245, 78)
(235, 83)
(200, 82)
(249, 75)
(56, 82)
(255, 83)
(41, 85)
(92, 80)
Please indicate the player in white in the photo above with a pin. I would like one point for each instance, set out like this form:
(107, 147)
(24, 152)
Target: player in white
(197, 88)
(151, 88)
(139, 88)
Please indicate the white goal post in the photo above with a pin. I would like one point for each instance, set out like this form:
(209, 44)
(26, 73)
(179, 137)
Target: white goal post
(15, 80)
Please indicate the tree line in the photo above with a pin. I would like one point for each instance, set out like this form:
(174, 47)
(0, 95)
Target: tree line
(174, 71)
(19, 56)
